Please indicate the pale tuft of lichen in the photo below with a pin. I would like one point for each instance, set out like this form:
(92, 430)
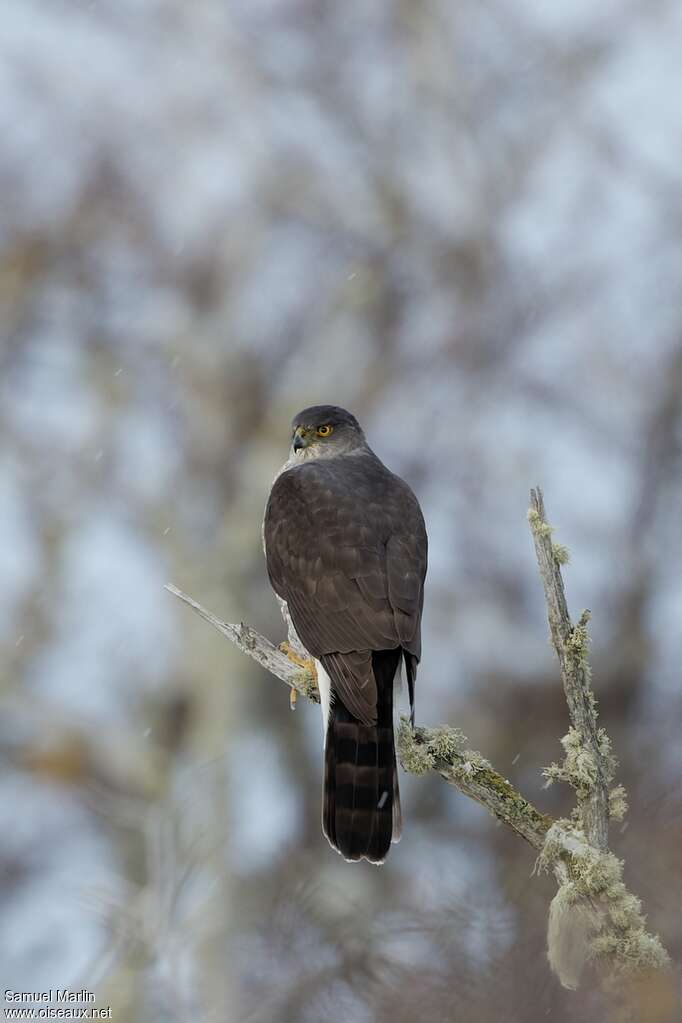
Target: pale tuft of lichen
(537, 523)
(630, 950)
(561, 553)
(561, 836)
(445, 743)
(468, 762)
(578, 641)
(416, 758)
(551, 774)
(578, 768)
(618, 803)
(608, 758)
(626, 908)
(435, 749)
(599, 873)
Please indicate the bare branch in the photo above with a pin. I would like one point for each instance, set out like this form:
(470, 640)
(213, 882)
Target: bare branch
(261, 649)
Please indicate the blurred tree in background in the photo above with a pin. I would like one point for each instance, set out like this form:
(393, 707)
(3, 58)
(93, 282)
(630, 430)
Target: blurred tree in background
(460, 221)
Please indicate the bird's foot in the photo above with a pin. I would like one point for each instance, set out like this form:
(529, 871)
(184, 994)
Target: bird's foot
(303, 662)
(307, 663)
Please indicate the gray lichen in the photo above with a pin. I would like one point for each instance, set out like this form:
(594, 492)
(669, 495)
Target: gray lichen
(578, 642)
(446, 743)
(444, 750)
(578, 767)
(561, 553)
(618, 803)
(594, 890)
(539, 527)
(437, 745)
(415, 758)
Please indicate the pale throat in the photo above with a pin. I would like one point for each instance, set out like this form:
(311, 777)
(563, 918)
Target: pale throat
(316, 452)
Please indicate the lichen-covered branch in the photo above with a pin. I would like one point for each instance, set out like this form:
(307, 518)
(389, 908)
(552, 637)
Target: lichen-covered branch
(426, 749)
(588, 757)
(443, 750)
(593, 915)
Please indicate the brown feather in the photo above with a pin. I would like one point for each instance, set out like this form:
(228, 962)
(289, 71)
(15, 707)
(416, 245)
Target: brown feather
(361, 800)
(346, 548)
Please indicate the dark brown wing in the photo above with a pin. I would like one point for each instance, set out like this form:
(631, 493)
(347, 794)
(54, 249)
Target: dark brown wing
(346, 548)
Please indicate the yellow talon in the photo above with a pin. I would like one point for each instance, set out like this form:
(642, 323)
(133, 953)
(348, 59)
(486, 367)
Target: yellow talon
(307, 663)
(303, 662)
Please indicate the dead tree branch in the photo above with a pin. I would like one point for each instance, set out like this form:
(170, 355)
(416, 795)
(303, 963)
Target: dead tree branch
(261, 649)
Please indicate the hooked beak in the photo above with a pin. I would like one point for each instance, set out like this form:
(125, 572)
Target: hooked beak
(300, 438)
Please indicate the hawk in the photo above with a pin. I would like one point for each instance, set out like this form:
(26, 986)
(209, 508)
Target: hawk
(346, 550)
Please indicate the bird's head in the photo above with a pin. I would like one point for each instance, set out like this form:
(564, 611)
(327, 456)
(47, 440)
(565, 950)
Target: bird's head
(323, 431)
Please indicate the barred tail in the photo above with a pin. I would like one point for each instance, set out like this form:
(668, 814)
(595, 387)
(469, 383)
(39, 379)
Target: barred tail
(361, 802)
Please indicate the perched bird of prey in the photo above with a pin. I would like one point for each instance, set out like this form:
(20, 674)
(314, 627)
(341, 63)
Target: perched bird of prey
(346, 548)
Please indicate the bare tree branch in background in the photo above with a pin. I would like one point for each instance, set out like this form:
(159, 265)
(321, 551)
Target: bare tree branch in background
(592, 916)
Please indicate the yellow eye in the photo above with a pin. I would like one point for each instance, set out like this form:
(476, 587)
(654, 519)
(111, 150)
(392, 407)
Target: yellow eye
(324, 431)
